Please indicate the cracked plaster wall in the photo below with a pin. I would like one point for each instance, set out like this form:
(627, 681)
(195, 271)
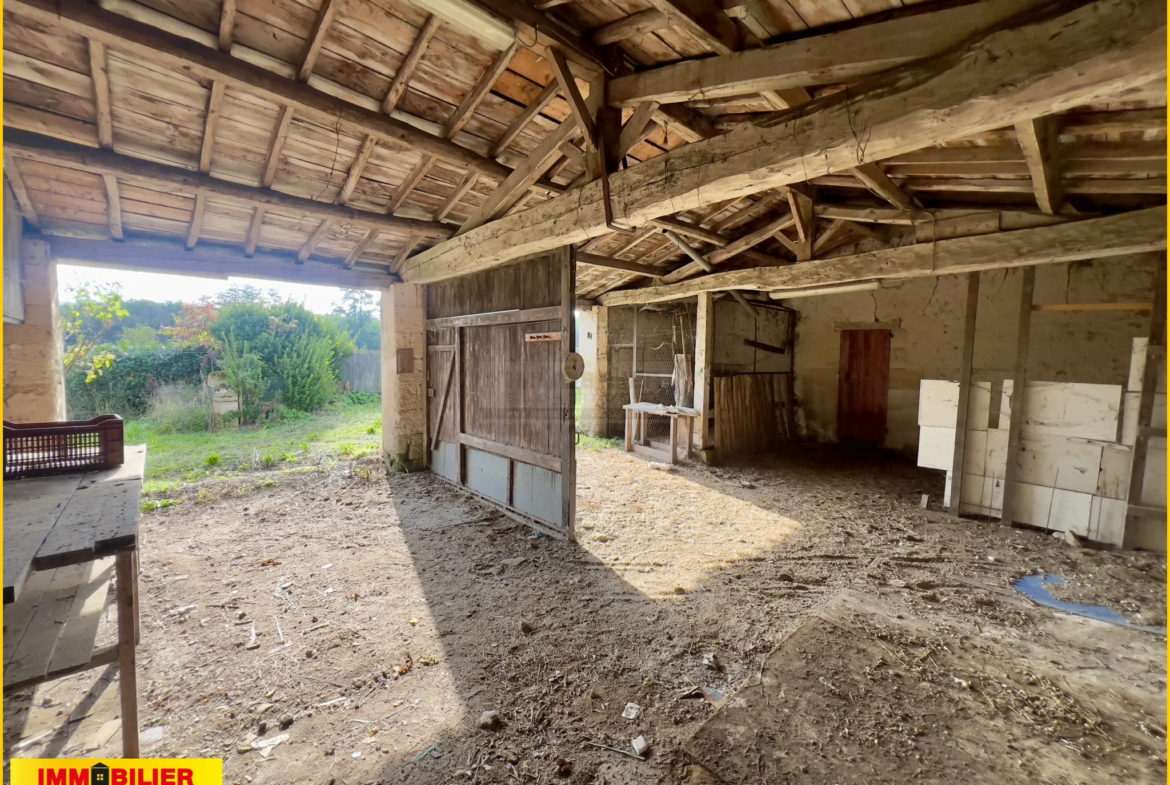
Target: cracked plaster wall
(926, 318)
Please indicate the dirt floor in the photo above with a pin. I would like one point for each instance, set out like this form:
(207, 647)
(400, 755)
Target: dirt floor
(391, 613)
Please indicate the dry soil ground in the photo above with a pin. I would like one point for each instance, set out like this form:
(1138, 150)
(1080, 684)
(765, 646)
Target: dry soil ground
(390, 613)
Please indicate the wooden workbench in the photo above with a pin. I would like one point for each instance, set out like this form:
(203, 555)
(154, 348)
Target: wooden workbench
(65, 537)
(638, 414)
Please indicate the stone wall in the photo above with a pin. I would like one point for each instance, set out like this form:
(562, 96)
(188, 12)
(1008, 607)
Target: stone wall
(404, 393)
(926, 319)
(34, 376)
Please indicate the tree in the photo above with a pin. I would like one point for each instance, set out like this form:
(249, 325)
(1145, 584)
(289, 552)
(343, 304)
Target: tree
(139, 336)
(245, 374)
(86, 323)
(356, 311)
(193, 324)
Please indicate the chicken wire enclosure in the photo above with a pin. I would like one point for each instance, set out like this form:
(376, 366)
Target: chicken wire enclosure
(658, 358)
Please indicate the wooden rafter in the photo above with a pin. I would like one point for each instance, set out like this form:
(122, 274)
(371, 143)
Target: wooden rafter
(196, 225)
(630, 27)
(873, 178)
(113, 206)
(1039, 140)
(408, 247)
(533, 168)
(705, 20)
(20, 190)
(325, 16)
(800, 201)
(460, 191)
(355, 169)
(820, 59)
(275, 145)
(614, 263)
(254, 227)
(580, 111)
(832, 235)
(1141, 231)
(524, 118)
(413, 178)
(168, 50)
(359, 249)
(38, 148)
(637, 128)
(406, 71)
(214, 106)
(735, 247)
(227, 25)
(314, 240)
(99, 69)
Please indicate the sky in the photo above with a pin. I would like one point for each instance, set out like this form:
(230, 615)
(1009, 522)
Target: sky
(161, 287)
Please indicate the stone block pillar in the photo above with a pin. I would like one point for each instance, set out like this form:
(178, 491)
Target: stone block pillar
(593, 346)
(404, 376)
(34, 374)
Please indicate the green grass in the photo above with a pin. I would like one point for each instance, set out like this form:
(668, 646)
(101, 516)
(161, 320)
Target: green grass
(176, 459)
(587, 441)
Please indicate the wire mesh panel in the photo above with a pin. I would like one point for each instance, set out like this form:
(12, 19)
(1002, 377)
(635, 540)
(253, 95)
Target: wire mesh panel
(664, 342)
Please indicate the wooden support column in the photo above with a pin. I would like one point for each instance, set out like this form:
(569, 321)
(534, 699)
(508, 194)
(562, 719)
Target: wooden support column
(404, 387)
(127, 667)
(593, 326)
(704, 350)
(568, 451)
(1019, 379)
(34, 387)
(965, 362)
(113, 206)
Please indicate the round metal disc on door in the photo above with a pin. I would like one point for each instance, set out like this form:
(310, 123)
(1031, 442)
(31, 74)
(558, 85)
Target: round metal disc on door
(574, 367)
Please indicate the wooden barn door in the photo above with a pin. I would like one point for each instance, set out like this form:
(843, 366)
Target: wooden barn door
(863, 386)
(500, 414)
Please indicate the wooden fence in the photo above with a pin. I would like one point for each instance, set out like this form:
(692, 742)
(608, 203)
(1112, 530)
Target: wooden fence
(363, 372)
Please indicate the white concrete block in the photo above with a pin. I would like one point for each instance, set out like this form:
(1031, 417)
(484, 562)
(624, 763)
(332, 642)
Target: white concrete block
(938, 403)
(995, 464)
(936, 447)
(972, 491)
(975, 452)
(1055, 462)
(1058, 510)
(1154, 485)
(1005, 404)
(1107, 521)
(1137, 364)
(979, 406)
(1113, 482)
(1088, 411)
(1129, 421)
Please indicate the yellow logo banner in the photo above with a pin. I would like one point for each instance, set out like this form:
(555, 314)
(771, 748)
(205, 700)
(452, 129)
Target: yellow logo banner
(117, 771)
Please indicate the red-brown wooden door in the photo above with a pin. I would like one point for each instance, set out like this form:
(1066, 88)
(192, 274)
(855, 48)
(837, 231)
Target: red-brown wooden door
(863, 386)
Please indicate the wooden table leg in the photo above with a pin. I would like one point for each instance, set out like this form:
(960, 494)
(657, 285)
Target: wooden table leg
(629, 431)
(645, 431)
(690, 437)
(673, 440)
(137, 614)
(127, 675)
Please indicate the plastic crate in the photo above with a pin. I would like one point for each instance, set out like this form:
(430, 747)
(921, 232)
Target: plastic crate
(32, 449)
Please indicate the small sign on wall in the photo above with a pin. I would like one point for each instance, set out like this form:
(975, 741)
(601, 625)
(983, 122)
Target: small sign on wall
(404, 359)
(542, 337)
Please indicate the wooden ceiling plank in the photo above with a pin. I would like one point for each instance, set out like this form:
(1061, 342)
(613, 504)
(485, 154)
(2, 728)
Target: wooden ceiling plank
(355, 169)
(506, 194)
(705, 20)
(873, 178)
(630, 27)
(325, 16)
(20, 190)
(99, 69)
(1141, 231)
(314, 240)
(524, 118)
(1066, 55)
(359, 249)
(214, 106)
(113, 206)
(406, 71)
(568, 83)
(196, 219)
(168, 50)
(1039, 139)
(842, 56)
(227, 25)
(172, 178)
(254, 227)
(275, 145)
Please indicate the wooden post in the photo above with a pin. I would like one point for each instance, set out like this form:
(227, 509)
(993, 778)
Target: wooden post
(629, 431)
(566, 259)
(968, 356)
(704, 347)
(1019, 379)
(673, 440)
(458, 359)
(1155, 352)
(127, 676)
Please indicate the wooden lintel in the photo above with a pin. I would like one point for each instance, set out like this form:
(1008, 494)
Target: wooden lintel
(500, 317)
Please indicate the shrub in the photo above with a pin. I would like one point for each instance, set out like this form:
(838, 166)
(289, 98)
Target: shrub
(244, 371)
(212, 460)
(125, 388)
(305, 370)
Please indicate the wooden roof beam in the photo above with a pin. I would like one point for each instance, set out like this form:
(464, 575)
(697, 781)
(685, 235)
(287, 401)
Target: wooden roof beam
(314, 240)
(113, 206)
(275, 145)
(572, 94)
(39, 148)
(524, 118)
(355, 169)
(704, 20)
(630, 27)
(196, 225)
(168, 50)
(1141, 231)
(406, 71)
(1070, 54)
(325, 16)
(613, 263)
(873, 178)
(461, 190)
(735, 247)
(227, 25)
(214, 105)
(1039, 139)
(359, 249)
(818, 59)
(254, 227)
(99, 69)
